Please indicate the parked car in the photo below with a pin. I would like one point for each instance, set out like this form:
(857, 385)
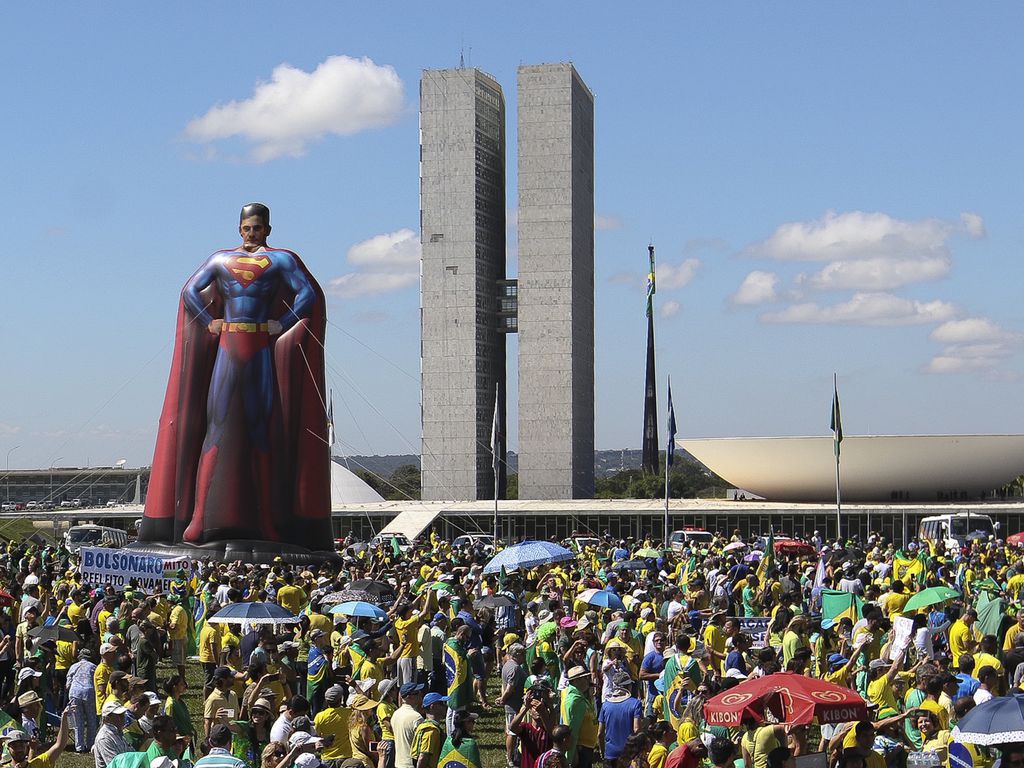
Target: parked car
(688, 537)
(473, 540)
(385, 538)
(89, 535)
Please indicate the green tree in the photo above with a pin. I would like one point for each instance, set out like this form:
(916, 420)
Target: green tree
(406, 482)
(687, 479)
(512, 487)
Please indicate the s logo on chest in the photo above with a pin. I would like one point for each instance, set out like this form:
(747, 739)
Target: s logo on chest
(247, 269)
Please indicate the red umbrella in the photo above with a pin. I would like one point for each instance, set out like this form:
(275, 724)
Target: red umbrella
(795, 548)
(790, 697)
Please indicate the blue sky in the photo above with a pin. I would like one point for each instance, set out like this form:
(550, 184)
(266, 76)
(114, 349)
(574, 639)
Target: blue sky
(830, 187)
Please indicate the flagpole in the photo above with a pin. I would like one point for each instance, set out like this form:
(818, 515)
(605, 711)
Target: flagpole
(666, 496)
(495, 442)
(837, 426)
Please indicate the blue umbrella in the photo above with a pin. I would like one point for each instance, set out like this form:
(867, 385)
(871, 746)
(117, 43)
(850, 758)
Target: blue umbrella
(529, 554)
(601, 598)
(253, 613)
(361, 609)
(997, 721)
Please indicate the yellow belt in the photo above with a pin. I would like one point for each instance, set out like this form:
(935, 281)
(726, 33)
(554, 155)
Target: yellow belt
(246, 327)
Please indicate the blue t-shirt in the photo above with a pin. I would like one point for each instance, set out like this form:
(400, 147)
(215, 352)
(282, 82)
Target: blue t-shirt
(653, 662)
(968, 685)
(735, 661)
(617, 718)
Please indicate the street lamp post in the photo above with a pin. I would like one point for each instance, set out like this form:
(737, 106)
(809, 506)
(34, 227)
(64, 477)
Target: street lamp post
(7, 472)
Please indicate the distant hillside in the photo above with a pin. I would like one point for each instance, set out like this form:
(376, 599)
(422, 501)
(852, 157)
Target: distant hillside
(605, 462)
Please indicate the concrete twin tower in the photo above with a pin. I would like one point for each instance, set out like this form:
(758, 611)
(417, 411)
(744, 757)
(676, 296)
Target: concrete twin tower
(470, 304)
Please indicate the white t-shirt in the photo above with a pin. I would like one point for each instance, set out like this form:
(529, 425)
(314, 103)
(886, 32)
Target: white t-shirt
(281, 729)
(981, 696)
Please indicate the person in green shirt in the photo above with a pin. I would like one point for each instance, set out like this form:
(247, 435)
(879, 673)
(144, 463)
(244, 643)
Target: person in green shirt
(751, 603)
(166, 741)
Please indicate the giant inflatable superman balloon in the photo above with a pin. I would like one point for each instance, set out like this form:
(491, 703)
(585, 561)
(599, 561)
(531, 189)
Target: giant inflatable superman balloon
(242, 460)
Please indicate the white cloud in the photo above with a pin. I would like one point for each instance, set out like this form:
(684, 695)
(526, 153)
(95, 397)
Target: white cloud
(357, 284)
(342, 96)
(757, 288)
(386, 263)
(973, 225)
(859, 235)
(970, 330)
(670, 309)
(674, 276)
(876, 274)
(395, 249)
(9, 429)
(973, 344)
(607, 222)
(866, 309)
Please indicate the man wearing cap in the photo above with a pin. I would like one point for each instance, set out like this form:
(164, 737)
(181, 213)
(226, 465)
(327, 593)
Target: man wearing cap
(18, 745)
(222, 698)
(405, 721)
(110, 741)
(30, 704)
(621, 717)
(428, 739)
(220, 755)
(332, 721)
(577, 712)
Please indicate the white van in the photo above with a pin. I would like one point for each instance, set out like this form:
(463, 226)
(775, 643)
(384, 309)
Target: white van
(679, 540)
(955, 530)
(90, 535)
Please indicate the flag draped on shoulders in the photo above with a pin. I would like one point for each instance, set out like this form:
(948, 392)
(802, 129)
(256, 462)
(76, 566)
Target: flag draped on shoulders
(317, 670)
(767, 563)
(465, 755)
(908, 568)
(456, 672)
(679, 679)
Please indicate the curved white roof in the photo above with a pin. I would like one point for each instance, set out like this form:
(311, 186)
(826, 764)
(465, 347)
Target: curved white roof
(347, 488)
(872, 468)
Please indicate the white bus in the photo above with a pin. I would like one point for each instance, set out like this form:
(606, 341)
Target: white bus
(955, 530)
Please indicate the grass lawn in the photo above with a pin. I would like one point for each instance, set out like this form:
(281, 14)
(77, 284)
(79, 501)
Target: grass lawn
(490, 729)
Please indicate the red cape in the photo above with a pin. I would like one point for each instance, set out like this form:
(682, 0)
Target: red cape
(300, 454)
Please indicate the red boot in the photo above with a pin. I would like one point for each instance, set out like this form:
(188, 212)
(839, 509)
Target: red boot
(194, 533)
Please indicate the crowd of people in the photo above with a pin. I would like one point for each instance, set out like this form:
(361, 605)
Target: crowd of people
(608, 657)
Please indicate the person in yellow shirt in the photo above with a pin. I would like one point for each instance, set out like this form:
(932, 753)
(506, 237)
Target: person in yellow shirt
(963, 637)
(76, 610)
(209, 654)
(661, 733)
(880, 691)
(332, 720)
(407, 625)
(714, 641)
(290, 596)
(1010, 641)
(1015, 584)
(177, 632)
(897, 598)
(101, 676)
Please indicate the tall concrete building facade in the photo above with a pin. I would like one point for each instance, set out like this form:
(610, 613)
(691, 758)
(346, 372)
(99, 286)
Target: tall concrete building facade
(556, 283)
(462, 229)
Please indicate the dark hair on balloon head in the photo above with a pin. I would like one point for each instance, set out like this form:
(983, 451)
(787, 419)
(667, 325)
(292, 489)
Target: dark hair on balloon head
(255, 209)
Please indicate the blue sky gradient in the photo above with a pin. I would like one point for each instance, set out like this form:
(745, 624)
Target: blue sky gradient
(864, 159)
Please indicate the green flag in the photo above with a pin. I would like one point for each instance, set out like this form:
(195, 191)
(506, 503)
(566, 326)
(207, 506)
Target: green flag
(457, 674)
(837, 422)
(396, 550)
(465, 755)
(990, 614)
(836, 604)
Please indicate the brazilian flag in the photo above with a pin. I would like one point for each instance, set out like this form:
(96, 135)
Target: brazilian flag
(465, 755)
(317, 670)
(358, 656)
(680, 676)
(456, 672)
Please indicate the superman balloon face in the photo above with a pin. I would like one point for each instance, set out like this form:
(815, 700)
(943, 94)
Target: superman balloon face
(254, 231)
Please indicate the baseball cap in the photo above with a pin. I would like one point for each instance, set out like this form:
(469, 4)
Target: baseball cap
(107, 648)
(301, 738)
(154, 699)
(432, 698)
(408, 689)
(223, 673)
(15, 735)
(26, 672)
(878, 664)
(837, 660)
(735, 674)
(112, 708)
